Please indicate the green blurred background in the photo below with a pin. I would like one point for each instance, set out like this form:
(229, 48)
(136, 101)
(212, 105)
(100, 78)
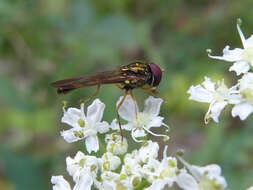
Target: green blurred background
(46, 40)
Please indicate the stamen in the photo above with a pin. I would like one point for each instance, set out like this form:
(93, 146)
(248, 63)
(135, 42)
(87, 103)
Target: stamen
(154, 134)
(239, 21)
(134, 137)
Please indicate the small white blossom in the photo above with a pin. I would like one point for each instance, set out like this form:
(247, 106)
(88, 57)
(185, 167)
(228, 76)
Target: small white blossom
(250, 188)
(139, 123)
(85, 127)
(161, 173)
(110, 180)
(115, 144)
(217, 94)
(147, 151)
(242, 58)
(59, 183)
(201, 178)
(109, 162)
(244, 107)
(83, 168)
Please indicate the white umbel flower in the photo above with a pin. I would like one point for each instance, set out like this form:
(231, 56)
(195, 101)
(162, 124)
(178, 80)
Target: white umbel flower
(85, 127)
(83, 168)
(216, 94)
(140, 123)
(160, 174)
(201, 178)
(59, 183)
(242, 57)
(244, 107)
(115, 144)
(109, 162)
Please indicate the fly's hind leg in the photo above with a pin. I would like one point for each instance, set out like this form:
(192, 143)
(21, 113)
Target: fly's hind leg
(117, 110)
(93, 95)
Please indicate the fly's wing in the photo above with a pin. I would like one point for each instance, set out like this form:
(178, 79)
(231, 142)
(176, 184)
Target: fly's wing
(110, 77)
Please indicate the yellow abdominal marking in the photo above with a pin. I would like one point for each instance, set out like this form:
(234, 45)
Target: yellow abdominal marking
(127, 81)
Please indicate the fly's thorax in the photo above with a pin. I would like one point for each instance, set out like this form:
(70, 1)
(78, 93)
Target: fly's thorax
(138, 69)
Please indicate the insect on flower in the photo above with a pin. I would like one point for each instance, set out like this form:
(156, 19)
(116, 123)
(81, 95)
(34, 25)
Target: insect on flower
(138, 74)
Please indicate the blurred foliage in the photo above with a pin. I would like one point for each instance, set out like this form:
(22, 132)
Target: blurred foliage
(46, 40)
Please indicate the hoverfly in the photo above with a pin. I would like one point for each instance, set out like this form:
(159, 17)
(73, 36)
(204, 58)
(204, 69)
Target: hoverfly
(137, 74)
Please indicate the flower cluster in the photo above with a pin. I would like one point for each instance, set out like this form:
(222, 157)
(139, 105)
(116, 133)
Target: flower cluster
(118, 169)
(218, 95)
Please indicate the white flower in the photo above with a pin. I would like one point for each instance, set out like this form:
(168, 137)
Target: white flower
(83, 168)
(59, 183)
(115, 144)
(147, 151)
(201, 178)
(109, 162)
(242, 58)
(217, 94)
(85, 127)
(244, 107)
(250, 188)
(140, 123)
(161, 173)
(109, 180)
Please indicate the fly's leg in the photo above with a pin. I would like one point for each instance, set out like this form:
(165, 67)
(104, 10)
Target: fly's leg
(154, 91)
(135, 107)
(119, 86)
(117, 110)
(148, 88)
(93, 95)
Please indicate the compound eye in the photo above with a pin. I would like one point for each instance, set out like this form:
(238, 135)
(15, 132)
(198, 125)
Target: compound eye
(156, 74)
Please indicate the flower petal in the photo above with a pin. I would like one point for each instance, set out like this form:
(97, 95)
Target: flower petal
(91, 143)
(216, 109)
(71, 116)
(156, 185)
(59, 183)
(152, 105)
(126, 110)
(102, 127)
(186, 181)
(199, 94)
(240, 67)
(229, 55)
(212, 169)
(246, 82)
(69, 135)
(242, 110)
(115, 126)
(155, 122)
(127, 127)
(249, 42)
(72, 163)
(85, 182)
(208, 84)
(95, 111)
(250, 188)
